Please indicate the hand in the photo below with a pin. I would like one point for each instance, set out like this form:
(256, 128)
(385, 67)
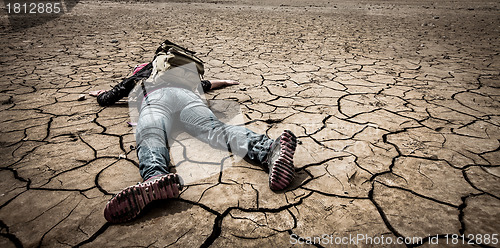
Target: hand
(96, 92)
(222, 83)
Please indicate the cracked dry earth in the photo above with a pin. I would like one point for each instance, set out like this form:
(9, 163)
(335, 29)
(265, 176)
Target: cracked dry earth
(395, 104)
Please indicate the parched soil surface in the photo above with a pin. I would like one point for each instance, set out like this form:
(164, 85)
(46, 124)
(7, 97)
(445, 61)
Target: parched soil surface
(395, 104)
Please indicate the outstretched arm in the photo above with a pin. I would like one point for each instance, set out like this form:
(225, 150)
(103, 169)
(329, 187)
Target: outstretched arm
(96, 92)
(109, 97)
(222, 83)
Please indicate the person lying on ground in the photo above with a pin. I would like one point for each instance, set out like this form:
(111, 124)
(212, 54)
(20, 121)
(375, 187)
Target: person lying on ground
(167, 104)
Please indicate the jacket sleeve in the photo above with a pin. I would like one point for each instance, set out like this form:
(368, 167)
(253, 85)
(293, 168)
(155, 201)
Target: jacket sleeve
(124, 87)
(206, 85)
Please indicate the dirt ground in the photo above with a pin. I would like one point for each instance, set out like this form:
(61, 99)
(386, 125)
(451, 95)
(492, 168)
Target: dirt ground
(395, 104)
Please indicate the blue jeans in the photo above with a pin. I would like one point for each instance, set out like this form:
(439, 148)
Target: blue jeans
(166, 106)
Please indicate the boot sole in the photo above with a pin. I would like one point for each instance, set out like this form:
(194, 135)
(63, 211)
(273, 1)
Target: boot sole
(281, 168)
(129, 203)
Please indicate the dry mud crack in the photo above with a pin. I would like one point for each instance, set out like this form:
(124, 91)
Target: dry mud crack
(395, 104)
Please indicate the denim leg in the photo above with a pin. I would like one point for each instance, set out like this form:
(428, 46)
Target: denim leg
(155, 122)
(201, 122)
